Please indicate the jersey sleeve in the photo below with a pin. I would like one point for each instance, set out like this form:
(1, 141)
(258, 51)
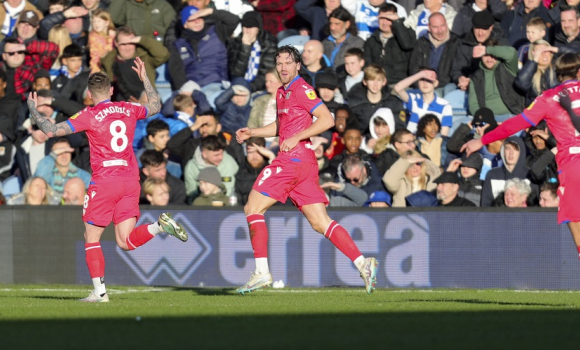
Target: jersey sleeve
(308, 99)
(138, 110)
(536, 111)
(80, 121)
(447, 116)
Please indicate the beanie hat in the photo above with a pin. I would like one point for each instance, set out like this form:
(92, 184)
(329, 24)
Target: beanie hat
(187, 12)
(211, 175)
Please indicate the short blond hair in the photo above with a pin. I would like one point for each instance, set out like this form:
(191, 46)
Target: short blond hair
(374, 72)
(151, 183)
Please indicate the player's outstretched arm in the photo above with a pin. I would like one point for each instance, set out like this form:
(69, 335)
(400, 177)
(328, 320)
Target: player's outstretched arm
(269, 130)
(47, 127)
(153, 104)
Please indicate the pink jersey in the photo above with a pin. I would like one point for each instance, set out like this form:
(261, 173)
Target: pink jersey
(295, 106)
(110, 128)
(547, 106)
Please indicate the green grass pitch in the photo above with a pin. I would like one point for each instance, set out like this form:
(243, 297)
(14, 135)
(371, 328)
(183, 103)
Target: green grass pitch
(49, 317)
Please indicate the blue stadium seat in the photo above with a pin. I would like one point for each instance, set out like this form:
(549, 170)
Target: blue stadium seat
(162, 83)
(11, 186)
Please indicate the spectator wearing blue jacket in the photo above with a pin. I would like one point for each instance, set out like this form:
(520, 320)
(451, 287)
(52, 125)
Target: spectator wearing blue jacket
(234, 106)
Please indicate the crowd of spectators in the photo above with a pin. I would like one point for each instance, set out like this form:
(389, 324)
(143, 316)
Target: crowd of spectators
(407, 82)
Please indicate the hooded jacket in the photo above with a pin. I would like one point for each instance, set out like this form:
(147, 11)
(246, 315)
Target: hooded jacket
(227, 168)
(239, 56)
(542, 163)
(387, 115)
(495, 179)
(232, 116)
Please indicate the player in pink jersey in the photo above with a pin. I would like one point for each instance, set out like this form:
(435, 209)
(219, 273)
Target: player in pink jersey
(552, 105)
(294, 173)
(113, 194)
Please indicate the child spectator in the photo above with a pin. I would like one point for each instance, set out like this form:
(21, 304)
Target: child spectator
(429, 141)
(535, 30)
(381, 127)
(211, 187)
(326, 87)
(156, 191)
(100, 38)
(353, 64)
(184, 109)
(73, 77)
(342, 117)
(157, 138)
(426, 101)
(234, 106)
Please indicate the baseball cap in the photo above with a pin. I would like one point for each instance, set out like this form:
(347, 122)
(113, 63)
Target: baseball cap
(447, 178)
(187, 12)
(482, 19)
(29, 17)
(379, 196)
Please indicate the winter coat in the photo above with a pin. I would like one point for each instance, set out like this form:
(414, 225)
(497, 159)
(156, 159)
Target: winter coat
(74, 88)
(227, 168)
(239, 55)
(394, 56)
(373, 183)
(495, 178)
(470, 188)
(525, 76)
(422, 53)
(400, 186)
(232, 116)
(145, 17)
(363, 109)
(514, 23)
(463, 21)
(245, 179)
(542, 163)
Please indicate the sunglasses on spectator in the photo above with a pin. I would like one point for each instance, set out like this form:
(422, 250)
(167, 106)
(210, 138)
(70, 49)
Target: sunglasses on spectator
(478, 125)
(16, 52)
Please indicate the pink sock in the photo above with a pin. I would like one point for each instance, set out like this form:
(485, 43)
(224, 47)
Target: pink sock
(95, 259)
(341, 239)
(258, 235)
(139, 236)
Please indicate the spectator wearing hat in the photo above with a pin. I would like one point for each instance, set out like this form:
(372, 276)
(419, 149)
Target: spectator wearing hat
(343, 36)
(149, 18)
(251, 54)
(447, 191)
(19, 13)
(470, 184)
(379, 199)
(211, 188)
(117, 63)
(409, 174)
(483, 118)
(327, 89)
(465, 64)
(514, 21)
(513, 154)
(200, 54)
(462, 24)
(234, 105)
(492, 85)
(436, 49)
(22, 61)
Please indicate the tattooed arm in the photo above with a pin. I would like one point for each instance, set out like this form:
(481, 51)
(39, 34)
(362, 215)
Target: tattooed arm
(44, 124)
(154, 101)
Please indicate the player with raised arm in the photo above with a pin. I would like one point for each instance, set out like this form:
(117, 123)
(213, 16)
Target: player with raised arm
(294, 173)
(113, 194)
(548, 106)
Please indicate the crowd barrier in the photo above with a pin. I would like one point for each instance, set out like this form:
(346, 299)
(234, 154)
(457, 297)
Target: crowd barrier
(431, 248)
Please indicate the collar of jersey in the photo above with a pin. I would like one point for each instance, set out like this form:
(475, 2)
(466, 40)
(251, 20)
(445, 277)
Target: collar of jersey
(292, 82)
(103, 102)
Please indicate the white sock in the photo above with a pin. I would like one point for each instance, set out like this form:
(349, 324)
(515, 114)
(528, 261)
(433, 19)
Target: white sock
(154, 228)
(99, 283)
(359, 262)
(262, 266)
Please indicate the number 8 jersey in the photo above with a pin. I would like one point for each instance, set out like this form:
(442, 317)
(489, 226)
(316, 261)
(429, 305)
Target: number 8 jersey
(110, 128)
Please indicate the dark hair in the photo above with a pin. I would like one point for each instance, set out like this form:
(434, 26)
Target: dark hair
(567, 66)
(72, 50)
(491, 42)
(210, 113)
(354, 51)
(99, 83)
(155, 126)
(564, 8)
(45, 93)
(212, 143)
(291, 50)
(386, 7)
(422, 68)
(398, 135)
(352, 126)
(550, 186)
(255, 140)
(152, 157)
(344, 108)
(61, 140)
(58, 2)
(11, 41)
(343, 15)
(426, 120)
(125, 30)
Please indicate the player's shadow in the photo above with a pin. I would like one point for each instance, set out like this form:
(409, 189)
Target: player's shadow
(207, 291)
(49, 297)
(484, 302)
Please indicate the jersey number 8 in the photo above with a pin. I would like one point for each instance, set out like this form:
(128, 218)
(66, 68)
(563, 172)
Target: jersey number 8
(118, 135)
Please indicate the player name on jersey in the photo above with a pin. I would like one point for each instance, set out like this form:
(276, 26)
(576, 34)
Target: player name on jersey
(110, 110)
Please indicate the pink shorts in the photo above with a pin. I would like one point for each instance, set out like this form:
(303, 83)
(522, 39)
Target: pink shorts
(569, 191)
(111, 201)
(291, 178)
